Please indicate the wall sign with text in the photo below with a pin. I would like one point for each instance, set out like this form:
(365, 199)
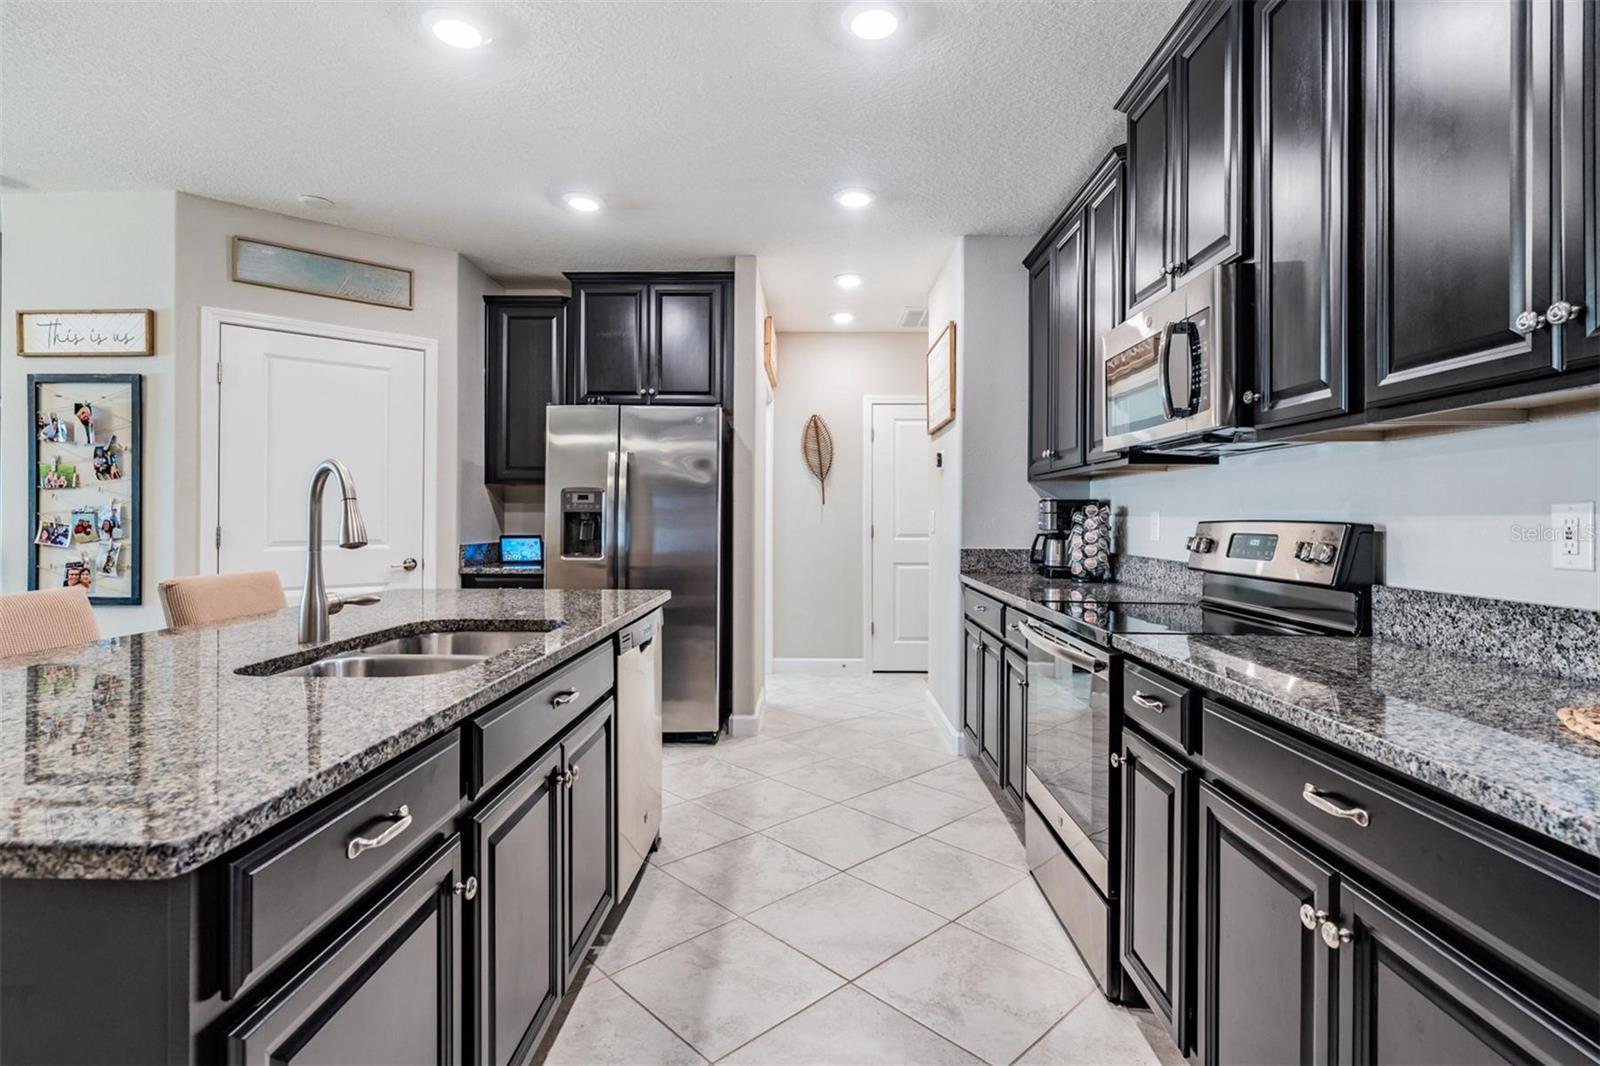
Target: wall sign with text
(125, 332)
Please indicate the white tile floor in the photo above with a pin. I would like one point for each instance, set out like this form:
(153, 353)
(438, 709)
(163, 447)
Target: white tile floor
(840, 890)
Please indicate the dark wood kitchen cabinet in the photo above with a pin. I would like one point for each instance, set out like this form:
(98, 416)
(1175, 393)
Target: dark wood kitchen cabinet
(1578, 98)
(524, 371)
(1156, 872)
(1074, 295)
(589, 820)
(972, 683)
(651, 338)
(1465, 289)
(1263, 986)
(1186, 163)
(991, 714)
(1013, 767)
(1304, 366)
(386, 989)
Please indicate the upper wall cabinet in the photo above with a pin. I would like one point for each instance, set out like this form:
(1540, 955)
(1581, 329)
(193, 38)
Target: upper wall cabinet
(524, 364)
(1074, 295)
(1186, 164)
(651, 338)
(1473, 279)
(1302, 242)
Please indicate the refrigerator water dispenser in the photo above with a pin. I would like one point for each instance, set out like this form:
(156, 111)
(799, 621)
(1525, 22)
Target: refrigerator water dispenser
(582, 519)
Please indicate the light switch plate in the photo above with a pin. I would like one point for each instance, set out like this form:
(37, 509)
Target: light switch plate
(1155, 526)
(1572, 546)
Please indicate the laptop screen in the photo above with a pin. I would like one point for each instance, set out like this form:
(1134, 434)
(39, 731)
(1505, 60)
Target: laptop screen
(528, 549)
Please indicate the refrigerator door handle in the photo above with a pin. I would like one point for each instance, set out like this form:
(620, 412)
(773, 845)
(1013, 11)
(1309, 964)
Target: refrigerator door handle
(608, 543)
(624, 526)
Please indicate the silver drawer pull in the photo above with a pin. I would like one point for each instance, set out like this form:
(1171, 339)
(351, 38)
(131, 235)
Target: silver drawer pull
(1322, 803)
(1149, 703)
(980, 608)
(561, 699)
(402, 822)
(467, 889)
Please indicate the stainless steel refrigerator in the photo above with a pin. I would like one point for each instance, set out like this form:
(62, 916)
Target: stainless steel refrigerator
(635, 497)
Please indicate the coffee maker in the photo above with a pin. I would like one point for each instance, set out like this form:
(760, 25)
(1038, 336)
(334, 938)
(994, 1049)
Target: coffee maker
(1074, 540)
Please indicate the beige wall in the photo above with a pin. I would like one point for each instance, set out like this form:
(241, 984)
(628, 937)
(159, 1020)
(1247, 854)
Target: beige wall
(749, 474)
(817, 548)
(478, 516)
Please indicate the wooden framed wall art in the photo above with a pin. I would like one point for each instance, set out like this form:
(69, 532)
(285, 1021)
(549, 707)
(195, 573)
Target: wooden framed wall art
(282, 266)
(941, 360)
(769, 350)
(130, 331)
(86, 468)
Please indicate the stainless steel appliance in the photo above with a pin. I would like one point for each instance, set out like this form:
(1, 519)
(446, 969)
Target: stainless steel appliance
(1259, 578)
(1164, 378)
(635, 498)
(1075, 540)
(638, 746)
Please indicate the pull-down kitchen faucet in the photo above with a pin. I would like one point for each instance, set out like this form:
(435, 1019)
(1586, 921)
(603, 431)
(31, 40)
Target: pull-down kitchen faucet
(316, 604)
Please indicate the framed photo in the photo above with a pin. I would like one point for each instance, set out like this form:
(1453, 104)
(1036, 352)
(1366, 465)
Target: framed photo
(85, 474)
(125, 332)
(941, 360)
(281, 266)
(769, 350)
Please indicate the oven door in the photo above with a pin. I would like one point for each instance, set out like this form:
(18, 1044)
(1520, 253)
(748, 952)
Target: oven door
(1072, 733)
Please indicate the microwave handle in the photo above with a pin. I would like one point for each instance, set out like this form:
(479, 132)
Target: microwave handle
(1192, 331)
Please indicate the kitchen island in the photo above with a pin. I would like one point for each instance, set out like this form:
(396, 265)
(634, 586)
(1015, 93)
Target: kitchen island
(207, 858)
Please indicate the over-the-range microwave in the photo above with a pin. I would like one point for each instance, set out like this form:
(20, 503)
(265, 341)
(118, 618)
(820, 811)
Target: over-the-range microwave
(1164, 378)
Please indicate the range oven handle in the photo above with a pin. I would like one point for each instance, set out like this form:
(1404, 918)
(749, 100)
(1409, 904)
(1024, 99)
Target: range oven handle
(1040, 637)
(1168, 406)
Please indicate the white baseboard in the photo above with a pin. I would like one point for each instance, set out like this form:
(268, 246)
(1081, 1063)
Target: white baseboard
(819, 666)
(952, 736)
(748, 725)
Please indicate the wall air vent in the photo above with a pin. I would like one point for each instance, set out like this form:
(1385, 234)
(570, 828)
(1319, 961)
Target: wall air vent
(914, 318)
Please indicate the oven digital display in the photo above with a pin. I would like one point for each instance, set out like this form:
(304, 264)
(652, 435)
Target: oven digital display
(1260, 546)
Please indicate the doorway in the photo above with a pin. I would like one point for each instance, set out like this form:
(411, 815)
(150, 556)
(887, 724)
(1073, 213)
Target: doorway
(896, 555)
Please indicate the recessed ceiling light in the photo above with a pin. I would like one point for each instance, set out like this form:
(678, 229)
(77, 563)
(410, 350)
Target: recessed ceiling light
(874, 23)
(454, 30)
(582, 201)
(312, 200)
(853, 198)
(847, 281)
(843, 318)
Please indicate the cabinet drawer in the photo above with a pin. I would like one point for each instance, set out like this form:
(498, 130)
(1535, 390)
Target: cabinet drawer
(282, 891)
(984, 610)
(502, 738)
(1538, 912)
(1160, 706)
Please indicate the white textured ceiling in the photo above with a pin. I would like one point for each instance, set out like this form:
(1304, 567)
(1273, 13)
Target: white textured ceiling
(710, 129)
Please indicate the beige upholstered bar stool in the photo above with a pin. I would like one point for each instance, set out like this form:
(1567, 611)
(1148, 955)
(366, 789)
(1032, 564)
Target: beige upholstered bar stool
(48, 618)
(212, 598)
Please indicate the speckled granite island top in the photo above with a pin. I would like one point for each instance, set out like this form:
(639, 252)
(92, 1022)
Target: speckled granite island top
(1025, 590)
(1484, 733)
(146, 756)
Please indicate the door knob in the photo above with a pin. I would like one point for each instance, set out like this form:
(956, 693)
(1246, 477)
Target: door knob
(407, 564)
(1561, 313)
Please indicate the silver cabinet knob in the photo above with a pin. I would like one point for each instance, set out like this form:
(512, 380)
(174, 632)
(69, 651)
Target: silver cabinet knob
(1116, 760)
(1561, 313)
(1047, 453)
(1250, 396)
(407, 564)
(1334, 936)
(1310, 917)
(1529, 321)
(467, 889)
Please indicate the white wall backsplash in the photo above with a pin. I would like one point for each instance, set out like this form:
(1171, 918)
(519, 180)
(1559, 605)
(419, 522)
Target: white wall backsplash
(1456, 508)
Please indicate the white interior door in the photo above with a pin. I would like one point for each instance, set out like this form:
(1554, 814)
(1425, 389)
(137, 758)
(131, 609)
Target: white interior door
(289, 401)
(899, 537)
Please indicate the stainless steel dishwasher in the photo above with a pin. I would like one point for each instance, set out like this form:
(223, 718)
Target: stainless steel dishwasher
(638, 746)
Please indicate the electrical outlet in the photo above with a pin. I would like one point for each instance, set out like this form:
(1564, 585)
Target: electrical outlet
(1572, 547)
(1155, 525)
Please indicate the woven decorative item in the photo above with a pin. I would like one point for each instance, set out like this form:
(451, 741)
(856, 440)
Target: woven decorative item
(816, 444)
(1584, 721)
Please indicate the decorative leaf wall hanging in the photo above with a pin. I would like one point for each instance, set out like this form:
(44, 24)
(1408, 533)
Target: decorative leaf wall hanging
(816, 444)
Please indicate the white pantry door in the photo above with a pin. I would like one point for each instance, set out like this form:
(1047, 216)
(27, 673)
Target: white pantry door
(289, 401)
(899, 536)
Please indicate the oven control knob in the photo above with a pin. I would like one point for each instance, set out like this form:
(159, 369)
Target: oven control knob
(1190, 543)
(1324, 552)
(1302, 551)
(1204, 544)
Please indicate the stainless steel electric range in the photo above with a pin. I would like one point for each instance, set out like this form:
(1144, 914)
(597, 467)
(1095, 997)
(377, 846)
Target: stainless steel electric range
(1258, 578)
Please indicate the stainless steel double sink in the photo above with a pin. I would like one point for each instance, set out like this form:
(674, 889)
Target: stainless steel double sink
(417, 654)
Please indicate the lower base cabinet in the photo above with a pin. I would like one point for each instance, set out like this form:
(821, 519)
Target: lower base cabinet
(589, 820)
(1013, 767)
(388, 989)
(972, 683)
(992, 690)
(1156, 809)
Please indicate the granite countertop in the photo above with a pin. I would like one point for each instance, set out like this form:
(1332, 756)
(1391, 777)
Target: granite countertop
(514, 569)
(144, 757)
(1481, 732)
(1025, 590)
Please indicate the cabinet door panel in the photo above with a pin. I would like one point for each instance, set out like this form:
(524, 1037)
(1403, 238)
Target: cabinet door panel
(993, 693)
(1155, 880)
(972, 682)
(1016, 731)
(525, 360)
(1067, 359)
(1263, 982)
(1103, 286)
(1579, 103)
(686, 343)
(515, 847)
(609, 342)
(1041, 291)
(1302, 361)
(1458, 194)
(1208, 170)
(1149, 214)
(589, 830)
